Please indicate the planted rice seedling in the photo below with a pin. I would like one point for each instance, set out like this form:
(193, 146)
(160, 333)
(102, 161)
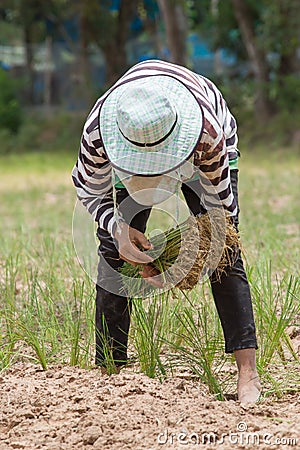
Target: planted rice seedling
(201, 349)
(155, 322)
(277, 307)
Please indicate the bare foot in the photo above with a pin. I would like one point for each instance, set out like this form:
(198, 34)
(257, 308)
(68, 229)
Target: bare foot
(249, 387)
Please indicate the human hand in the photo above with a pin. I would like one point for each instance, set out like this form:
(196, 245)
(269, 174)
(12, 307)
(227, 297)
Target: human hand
(130, 241)
(149, 272)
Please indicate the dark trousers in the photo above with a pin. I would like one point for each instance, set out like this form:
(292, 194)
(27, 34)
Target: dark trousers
(231, 292)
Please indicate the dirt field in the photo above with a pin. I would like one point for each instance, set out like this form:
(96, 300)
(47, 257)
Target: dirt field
(72, 408)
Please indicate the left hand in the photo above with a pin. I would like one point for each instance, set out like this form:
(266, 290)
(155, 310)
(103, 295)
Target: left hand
(130, 241)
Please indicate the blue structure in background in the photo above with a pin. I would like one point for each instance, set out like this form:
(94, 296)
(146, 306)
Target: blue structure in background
(203, 59)
(4, 66)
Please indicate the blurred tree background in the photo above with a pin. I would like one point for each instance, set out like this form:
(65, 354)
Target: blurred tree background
(58, 56)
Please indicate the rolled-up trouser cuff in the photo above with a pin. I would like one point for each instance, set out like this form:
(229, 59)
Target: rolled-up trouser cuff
(230, 348)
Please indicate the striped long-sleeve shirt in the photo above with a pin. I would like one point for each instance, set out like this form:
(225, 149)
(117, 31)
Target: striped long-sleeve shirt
(92, 174)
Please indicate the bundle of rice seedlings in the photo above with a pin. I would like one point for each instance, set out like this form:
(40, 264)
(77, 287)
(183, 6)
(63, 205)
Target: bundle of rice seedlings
(213, 252)
(182, 255)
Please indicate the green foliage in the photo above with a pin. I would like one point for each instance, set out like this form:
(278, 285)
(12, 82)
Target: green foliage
(274, 26)
(285, 91)
(278, 25)
(10, 109)
(40, 132)
(9, 33)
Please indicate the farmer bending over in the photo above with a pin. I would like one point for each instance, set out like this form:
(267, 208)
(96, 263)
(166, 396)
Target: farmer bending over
(146, 127)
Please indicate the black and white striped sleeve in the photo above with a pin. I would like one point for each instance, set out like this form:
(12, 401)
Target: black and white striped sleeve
(215, 176)
(226, 119)
(224, 116)
(213, 163)
(92, 176)
(230, 130)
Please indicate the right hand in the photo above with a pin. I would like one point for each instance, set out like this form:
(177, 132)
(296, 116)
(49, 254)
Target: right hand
(129, 241)
(152, 276)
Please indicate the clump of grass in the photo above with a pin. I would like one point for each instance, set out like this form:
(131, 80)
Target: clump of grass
(199, 347)
(44, 317)
(108, 366)
(183, 254)
(276, 306)
(154, 323)
(203, 356)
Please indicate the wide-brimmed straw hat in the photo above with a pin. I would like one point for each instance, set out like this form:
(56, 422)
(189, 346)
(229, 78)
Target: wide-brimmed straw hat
(150, 126)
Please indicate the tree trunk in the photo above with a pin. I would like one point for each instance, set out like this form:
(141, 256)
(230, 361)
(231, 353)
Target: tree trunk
(116, 63)
(115, 50)
(256, 56)
(48, 73)
(218, 69)
(84, 73)
(290, 22)
(176, 29)
(28, 45)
